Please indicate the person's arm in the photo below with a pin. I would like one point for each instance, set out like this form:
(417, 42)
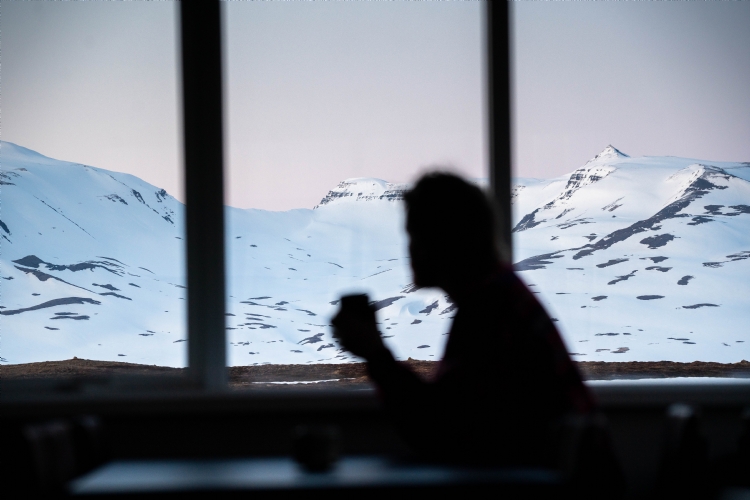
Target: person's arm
(359, 334)
(396, 382)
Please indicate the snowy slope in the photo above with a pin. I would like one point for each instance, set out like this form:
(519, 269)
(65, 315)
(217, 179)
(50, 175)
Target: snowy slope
(641, 258)
(92, 265)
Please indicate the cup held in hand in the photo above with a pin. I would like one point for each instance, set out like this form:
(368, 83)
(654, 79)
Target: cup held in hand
(358, 306)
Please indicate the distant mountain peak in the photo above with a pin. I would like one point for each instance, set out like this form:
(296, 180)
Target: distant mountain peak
(364, 189)
(609, 153)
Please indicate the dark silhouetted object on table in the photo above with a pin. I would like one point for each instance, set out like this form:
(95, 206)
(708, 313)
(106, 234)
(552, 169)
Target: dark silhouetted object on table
(506, 382)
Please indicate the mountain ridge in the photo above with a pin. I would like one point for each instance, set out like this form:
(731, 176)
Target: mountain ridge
(92, 265)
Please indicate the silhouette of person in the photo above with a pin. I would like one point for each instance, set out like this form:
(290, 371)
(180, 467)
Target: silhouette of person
(505, 377)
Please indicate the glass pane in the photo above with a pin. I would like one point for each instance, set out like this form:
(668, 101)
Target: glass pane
(632, 201)
(333, 108)
(92, 259)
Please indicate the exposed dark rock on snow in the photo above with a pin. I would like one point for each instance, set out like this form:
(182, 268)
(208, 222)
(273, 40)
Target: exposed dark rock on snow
(115, 198)
(536, 262)
(697, 189)
(416, 322)
(312, 340)
(612, 262)
(423, 346)
(449, 309)
(113, 294)
(430, 308)
(684, 280)
(697, 306)
(64, 216)
(109, 258)
(655, 260)
(740, 209)
(611, 334)
(262, 326)
(598, 298)
(333, 263)
(623, 278)
(658, 268)
(309, 313)
(621, 350)
(382, 304)
(259, 298)
(411, 287)
(739, 256)
(52, 303)
(379, 272)
(325, 347)
(564, 213)
(734, 257)
(44, 277)
(700, 219)
(649, 297)
(657, 241)
(137, 196)
(613, 206)
(527, 222)
(34, 262)
(107, 286)
(51, 328)
(72, 317)
(575, 222)
(5, 228)
(713, 209)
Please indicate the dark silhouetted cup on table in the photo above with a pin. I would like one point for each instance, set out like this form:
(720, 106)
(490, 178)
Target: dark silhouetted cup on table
(316, 447)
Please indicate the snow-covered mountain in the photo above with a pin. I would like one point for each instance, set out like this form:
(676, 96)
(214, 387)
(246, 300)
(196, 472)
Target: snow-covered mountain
(92, 265)
(646, 258)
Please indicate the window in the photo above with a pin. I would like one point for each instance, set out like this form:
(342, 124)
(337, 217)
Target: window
(332, 110)
(92, 207)
(631, 201)
(302, 161)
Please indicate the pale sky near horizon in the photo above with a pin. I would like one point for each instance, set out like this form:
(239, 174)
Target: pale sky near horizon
(317, 92)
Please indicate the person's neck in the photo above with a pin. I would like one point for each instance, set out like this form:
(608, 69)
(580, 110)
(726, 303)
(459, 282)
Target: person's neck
(461, 291)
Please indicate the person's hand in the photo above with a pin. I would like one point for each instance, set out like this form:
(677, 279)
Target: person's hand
(357, 333)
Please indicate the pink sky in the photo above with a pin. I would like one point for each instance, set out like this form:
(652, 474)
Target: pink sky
(317, 92)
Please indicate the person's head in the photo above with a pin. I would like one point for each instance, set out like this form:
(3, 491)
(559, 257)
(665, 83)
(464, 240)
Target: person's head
(451, 225)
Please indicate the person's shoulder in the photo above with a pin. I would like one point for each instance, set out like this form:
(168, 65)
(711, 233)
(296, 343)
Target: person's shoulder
(505, 279)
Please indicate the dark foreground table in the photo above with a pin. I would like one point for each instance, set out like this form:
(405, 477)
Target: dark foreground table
(282, 477)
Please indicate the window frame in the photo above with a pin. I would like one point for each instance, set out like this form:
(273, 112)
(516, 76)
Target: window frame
(200, 40)
(201, 57)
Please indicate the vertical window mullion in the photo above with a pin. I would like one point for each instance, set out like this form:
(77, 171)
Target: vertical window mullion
(200, 31)
(498, 103)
